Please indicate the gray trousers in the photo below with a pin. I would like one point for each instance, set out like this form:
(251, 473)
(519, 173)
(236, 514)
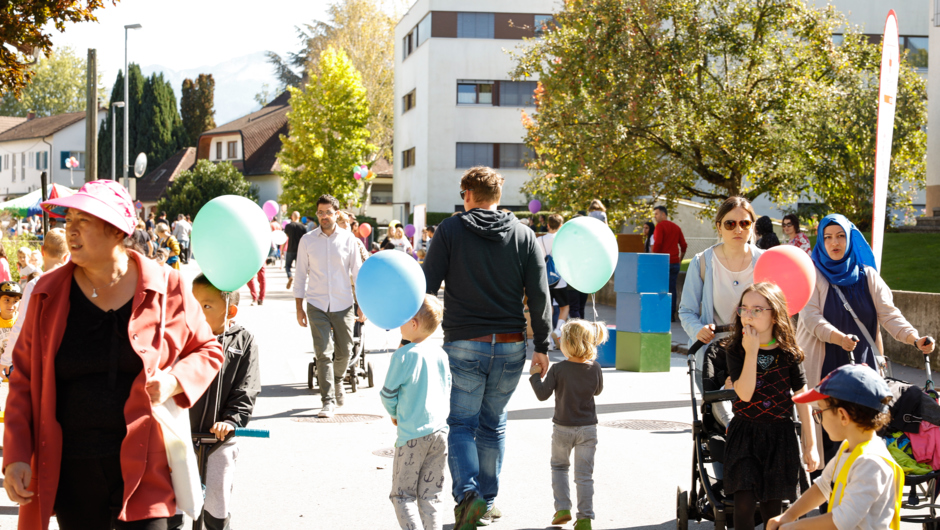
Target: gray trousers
(584, 442)
(220, 479)
(331, 364)
(417, 481)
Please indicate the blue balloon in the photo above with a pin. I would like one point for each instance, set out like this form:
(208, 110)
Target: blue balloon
(390, 288)
(303, 220)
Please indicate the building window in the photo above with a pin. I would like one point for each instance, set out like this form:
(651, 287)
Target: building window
(218, 150)
(408, 158)
(423, 30)
(916, 50)
(514, 156)
(233, 150)
(381, 194)
(472, 154)
(475, 93)
(22, 166)
(406, 44)
(475, 25)
(6, 162)
(517, 93)
(543, 24)
(45, 160)
(408, 102)
(38, 160)
(79, 155)
(14, 168)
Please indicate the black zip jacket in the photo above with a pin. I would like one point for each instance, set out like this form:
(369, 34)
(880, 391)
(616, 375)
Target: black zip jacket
(489, 262)
(241, 383)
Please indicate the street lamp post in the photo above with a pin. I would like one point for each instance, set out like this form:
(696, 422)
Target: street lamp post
(127, 110)
(118, 104)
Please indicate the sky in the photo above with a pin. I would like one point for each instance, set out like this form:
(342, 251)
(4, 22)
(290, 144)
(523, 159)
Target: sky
(182, 34)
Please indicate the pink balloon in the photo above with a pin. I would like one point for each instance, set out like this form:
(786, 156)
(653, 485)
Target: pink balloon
(285, 223)
(792, 270)
(270, 209)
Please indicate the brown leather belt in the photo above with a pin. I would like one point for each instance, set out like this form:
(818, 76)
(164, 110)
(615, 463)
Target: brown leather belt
(501, 337)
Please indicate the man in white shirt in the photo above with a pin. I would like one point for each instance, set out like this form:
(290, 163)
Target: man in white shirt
(181, 231)
(330, 260)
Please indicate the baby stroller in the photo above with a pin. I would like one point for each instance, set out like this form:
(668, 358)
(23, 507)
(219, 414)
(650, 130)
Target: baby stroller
(706, 500)
(911, 406)
(358, 367)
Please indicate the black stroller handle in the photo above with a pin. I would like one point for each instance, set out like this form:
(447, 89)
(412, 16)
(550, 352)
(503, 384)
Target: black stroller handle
(719, 395)
(698, 344)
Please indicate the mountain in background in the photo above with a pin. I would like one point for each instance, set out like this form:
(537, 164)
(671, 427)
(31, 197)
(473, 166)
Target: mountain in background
(236, 83)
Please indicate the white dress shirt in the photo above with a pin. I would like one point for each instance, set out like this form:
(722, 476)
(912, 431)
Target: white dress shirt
(325, 267)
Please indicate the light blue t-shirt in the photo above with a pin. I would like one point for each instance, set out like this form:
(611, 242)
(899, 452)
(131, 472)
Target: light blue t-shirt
(417, 390)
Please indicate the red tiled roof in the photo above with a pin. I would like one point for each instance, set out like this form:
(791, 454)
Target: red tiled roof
(152, 186)
(8, 122)
(260, 132)
(41, 127)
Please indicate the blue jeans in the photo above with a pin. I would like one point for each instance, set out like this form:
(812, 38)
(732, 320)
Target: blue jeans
(289, 261)
(673, 274)
(484, 377)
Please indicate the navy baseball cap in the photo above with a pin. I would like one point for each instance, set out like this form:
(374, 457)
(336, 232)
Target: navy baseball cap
(855, 383)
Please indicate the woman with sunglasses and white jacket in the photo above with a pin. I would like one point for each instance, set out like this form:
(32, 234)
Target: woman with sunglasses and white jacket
(717, 277)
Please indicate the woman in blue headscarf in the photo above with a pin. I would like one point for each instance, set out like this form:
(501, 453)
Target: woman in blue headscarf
(844, 262)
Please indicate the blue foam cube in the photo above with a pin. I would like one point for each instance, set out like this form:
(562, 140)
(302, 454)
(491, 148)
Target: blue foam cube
(607, 352)
(644, 312)
(642, 273)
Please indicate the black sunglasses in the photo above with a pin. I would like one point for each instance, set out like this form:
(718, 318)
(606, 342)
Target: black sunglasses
(817, 415)
(463, 192)
(787, 224)
(730, 225)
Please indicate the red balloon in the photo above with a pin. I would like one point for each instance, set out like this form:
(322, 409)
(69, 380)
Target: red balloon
(365, 229)
(792, 270)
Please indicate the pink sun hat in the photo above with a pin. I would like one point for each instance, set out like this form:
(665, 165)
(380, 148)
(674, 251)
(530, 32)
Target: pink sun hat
(105, 199)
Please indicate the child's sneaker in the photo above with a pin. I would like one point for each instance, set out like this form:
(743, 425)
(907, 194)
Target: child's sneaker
(582, 524)
(561, 517)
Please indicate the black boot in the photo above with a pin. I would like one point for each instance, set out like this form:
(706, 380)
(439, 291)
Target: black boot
(212, 523)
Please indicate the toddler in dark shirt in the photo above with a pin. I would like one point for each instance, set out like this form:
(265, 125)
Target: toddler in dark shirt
(574, 382)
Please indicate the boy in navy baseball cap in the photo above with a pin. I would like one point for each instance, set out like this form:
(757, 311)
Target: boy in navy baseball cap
(862, 484)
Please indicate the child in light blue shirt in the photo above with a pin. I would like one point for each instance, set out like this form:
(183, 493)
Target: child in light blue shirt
(416, 395)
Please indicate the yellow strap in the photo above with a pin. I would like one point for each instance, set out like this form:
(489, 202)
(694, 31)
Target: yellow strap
(842, 479)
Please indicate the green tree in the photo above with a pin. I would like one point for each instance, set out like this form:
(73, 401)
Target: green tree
(328, 134)
(160, 131)
(57, 86)
(839, 140)
(193, 188)
(365, 31)
(136, 89)
(196, 106)
(26, 33)
(682, 98)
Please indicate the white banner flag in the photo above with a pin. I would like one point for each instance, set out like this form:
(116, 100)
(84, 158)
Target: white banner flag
(887, 102)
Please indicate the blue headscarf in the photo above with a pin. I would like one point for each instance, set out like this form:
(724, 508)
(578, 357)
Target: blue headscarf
(844, 271)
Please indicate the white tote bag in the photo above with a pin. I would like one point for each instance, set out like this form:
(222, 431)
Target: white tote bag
(177, 437)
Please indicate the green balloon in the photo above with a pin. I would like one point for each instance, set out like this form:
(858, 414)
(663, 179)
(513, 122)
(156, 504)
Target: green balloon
(585, 253)
(231, 238)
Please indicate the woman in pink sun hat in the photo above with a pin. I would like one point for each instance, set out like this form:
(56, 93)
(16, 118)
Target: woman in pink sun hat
(108, 336)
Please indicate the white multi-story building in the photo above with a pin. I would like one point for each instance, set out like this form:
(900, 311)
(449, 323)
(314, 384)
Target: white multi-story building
(43, 144)
(455, 104)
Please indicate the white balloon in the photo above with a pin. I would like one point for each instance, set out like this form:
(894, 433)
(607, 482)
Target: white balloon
(278, 237)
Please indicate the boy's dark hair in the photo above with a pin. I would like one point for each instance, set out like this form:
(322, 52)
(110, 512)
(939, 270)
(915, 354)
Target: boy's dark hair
(555, 221)
(793, 219)
(865, 417)
(229, 297)
(662, 209)
(328, 199)
(431, 229)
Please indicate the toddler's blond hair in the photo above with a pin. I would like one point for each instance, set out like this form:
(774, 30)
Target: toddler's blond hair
(430, 315)
(581, 338)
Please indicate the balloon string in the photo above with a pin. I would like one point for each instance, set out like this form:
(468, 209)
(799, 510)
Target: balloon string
(594, 306)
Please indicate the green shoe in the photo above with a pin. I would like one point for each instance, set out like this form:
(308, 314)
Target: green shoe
(469, 512)
(582, 524)
(562, 517)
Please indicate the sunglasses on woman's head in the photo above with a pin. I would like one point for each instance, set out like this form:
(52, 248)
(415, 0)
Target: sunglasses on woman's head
(730, 225)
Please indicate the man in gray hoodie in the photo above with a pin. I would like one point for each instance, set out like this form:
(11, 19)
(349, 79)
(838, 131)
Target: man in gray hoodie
(489, 263)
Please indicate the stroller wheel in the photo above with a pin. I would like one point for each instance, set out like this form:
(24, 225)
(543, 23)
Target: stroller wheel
(370, 375)
(682, 510)
(311, 372)
(353, 379)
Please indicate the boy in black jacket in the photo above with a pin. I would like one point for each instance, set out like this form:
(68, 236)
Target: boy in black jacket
(227, 403)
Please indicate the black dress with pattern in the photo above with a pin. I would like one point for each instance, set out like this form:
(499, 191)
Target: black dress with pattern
(763, 453)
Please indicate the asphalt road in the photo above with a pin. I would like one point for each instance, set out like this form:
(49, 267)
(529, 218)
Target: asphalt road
(317, 475)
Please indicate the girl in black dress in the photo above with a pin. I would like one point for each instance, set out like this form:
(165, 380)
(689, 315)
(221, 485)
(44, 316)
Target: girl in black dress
(762, 455)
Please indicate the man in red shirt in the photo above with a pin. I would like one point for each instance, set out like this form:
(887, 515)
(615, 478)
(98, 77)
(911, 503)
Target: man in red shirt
(668, 239)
